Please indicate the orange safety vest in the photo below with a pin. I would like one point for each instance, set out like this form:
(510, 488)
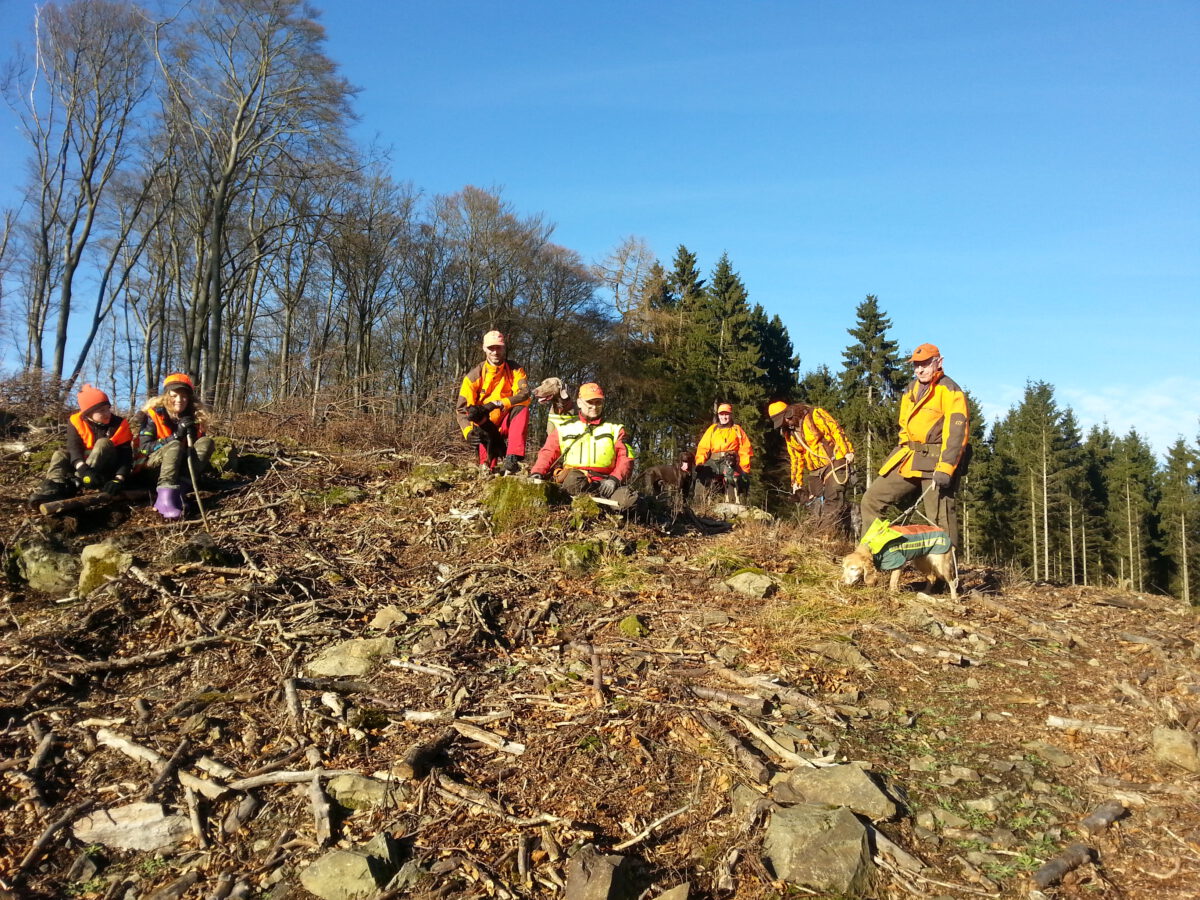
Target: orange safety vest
(731, 438)
(505, 384)
(162, 430)
(121, 436)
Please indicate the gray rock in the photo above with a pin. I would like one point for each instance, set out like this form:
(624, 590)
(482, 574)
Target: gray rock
(1051, 754)
(819, 848)
(744, 799)
(752, 584)
(949, 819)
(135, 826)
(342, 875)
(101, 562)
(578, 557)
(927, 820)
(845, 785)
(353, 657)
(387, 617)
(843, 652)
(360, 792)
(592, 875)
(47, 569)
(1177, 747)
(202, 548)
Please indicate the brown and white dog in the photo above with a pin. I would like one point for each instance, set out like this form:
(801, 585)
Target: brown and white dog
(858, 567)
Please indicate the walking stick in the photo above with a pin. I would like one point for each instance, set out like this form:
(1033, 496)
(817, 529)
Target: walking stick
(195, 487)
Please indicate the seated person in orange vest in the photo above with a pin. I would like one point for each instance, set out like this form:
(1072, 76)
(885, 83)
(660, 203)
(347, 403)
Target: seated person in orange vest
(595, 457)
(820, 455)
(99, 452)
(493, 407)
(170, 428)
(725, 451)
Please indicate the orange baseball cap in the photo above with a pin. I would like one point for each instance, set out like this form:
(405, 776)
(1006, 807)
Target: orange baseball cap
(591, 391)
(725, 407)
(494, 339)
(924, 352)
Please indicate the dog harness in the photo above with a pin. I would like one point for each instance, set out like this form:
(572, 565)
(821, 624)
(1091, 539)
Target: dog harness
(914, 541)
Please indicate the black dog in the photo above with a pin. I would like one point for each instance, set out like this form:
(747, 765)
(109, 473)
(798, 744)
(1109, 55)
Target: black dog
(671, 479)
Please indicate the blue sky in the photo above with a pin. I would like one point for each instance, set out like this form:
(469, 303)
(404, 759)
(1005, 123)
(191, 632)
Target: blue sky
(1018, 182)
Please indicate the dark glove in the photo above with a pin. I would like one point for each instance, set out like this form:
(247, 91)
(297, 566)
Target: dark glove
(536, 477)
(185, 429)
(112, 488)
(86, 474)
(476, 414)
(608, 486)
(942, 479)
(491, 407)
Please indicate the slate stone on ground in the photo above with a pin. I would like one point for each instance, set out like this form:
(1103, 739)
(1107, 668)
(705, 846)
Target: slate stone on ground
(846, 785)
(592, 875)
(752, 584)
(819, 848)
(353, 657)
(1177, 747)
(135, 826)
(353, 874)
(360, 791)
(1051, 754)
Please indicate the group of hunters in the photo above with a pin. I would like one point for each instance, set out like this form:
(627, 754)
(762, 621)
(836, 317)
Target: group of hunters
(166, 441)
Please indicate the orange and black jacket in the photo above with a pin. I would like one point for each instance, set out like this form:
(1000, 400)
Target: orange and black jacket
(813, 438)
(505, 384)
(156, 428)
(83, 434)
(934, 429)
(729, 438)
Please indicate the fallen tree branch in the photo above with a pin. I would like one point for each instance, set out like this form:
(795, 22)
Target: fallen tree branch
(1070, 859)
(755, 767)
(646, 832)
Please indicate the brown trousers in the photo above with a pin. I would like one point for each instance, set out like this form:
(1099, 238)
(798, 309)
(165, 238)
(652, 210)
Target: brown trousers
(826, 501)
(893, 489)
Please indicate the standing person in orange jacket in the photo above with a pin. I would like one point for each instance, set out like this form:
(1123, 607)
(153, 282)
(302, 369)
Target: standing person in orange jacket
(99, 452)
(725, 451)
(934, 430)
(493, 407)
(820, 456)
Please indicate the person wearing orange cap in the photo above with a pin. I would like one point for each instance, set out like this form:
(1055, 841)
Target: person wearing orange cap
(591, 454)
(169, 427)
(99, 452)
(820, 455)
(934, 431)
(493, 407)
(724, 453)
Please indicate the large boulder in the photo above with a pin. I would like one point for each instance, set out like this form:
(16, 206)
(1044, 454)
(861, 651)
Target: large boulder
(823, 849)
(846, 785)
(135, 826)
(516, 502)
(354, 657)
(100, 562)
(46, 568)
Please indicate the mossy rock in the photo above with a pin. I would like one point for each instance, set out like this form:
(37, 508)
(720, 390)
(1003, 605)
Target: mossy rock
(202, 548)
(99, 563)
(254, 464)
(38, 461)
(515, 502)
(578, 557)
(443, 472)
(633, 627)
(418, 486)
(224, 459)
(584, 511)
(47, 567)
(338, 495)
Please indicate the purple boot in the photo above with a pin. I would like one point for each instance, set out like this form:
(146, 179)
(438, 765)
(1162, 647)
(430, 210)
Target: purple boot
(169, 503)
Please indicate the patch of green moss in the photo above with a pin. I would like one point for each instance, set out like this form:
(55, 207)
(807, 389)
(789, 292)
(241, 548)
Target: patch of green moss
(224, 457)
(578, 557)
(515, 502)
(753, 570)
(339, 495)
(584, 511)
(632, 626)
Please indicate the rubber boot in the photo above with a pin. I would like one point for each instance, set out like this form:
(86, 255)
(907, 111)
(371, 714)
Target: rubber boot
(169, 503)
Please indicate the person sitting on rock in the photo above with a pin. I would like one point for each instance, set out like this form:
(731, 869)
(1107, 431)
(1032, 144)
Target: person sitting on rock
(99, 452)
(596, 458)
(493, 407)
(723, 456)
(172, 443)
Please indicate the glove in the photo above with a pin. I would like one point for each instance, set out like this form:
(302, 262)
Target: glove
(476, 414)
(608, 486)
(491, 407)
(185, 429)
(112, 488)
(537, 478)
(941, 479)
(86, 474)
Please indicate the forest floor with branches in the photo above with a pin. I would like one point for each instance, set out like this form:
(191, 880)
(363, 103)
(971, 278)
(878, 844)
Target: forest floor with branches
(516, 713)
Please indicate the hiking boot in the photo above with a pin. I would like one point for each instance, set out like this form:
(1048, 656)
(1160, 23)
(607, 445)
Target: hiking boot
(512, 465)
(169, 503)
(49, 491)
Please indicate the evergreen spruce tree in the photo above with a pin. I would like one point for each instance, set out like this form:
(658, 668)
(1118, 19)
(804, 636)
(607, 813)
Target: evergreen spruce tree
(1133, 493)
(777, 357)
(872, 380)
(1179, 516)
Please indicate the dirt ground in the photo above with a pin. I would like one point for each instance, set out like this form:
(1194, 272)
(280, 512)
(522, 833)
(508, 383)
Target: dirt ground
(998, 721)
